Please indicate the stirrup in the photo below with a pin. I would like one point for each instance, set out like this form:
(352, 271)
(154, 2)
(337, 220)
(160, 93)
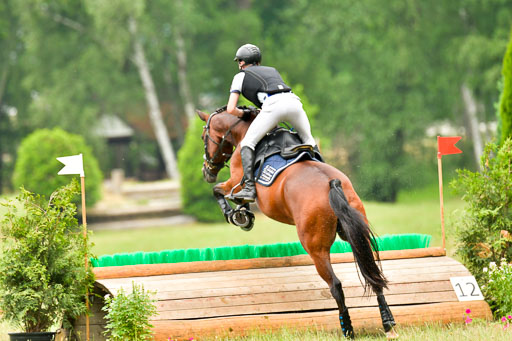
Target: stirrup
(248, 197)
(231, 197)
(240, 201)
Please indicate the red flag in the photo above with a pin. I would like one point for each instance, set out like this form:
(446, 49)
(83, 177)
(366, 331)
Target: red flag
(446, 145)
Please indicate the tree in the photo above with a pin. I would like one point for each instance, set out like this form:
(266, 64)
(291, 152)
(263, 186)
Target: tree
(382, 72)
(379, 72)
(120, 18)
(155, 115)
(370, 88)
(70, 76)
(505, 105)
(13, 97)
(89, 76)
(478, 44)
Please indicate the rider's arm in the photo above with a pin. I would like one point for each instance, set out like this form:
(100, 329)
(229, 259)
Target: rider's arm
(236, 89)
(232, 102)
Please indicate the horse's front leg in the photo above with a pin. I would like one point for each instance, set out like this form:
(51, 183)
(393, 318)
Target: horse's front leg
(222, 189)
(219, 193)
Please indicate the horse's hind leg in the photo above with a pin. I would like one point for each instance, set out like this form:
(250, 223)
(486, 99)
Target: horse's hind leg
(324, 269)
(388, 322)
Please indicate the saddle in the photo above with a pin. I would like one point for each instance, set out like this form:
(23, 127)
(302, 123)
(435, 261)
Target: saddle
(279, 149)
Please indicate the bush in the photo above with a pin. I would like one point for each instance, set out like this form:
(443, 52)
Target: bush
(128, 314)
(487, 220)
(196, 193)
(498, 287)
(42, 274)
(37, 166)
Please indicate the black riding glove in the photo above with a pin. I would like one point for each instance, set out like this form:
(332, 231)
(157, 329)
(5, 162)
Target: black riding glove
(247, 113)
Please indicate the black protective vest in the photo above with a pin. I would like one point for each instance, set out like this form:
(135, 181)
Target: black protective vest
(262, 79)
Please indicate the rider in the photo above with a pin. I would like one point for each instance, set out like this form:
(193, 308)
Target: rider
(263, 86)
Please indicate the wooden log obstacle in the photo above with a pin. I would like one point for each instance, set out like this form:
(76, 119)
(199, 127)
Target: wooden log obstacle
(232, 297)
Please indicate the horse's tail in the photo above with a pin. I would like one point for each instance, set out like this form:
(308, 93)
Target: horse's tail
(356, 231)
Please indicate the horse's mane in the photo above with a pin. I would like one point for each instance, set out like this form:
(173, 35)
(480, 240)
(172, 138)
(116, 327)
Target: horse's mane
(221, 109)
(228, 119)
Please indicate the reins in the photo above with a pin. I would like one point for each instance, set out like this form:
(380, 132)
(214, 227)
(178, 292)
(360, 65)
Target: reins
(211, 165)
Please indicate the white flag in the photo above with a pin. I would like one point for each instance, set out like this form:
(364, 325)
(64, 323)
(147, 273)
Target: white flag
(72, 165)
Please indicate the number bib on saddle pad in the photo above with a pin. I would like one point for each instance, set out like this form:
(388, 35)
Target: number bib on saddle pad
(279, 149)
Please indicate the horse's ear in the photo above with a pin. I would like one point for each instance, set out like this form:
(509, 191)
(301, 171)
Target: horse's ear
(202, 115)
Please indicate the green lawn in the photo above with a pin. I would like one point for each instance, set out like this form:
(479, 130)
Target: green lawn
(475, 331)
(416, 212)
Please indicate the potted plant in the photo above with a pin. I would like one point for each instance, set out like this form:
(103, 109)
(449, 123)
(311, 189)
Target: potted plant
(43, 278)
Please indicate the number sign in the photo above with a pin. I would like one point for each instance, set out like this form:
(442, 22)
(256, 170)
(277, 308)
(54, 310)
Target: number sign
(466, 288)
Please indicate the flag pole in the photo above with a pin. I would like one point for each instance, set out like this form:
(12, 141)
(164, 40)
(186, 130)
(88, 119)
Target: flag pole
(74, 164)
(441, 202)
(84, 223)
(445, 146)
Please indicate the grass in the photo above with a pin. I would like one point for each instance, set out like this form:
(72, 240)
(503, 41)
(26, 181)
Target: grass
(478, 330)
(415, 212)
(475, 331)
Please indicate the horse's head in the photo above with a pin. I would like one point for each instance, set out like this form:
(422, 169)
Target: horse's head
(218, 141)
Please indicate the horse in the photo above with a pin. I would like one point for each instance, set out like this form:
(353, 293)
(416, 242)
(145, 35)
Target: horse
(315, 197)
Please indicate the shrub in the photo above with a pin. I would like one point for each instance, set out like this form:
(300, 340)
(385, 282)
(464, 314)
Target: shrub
(37, 166)
(196, 193)
(498, 287)
(42, 274)
(487, 220)
(128, 314)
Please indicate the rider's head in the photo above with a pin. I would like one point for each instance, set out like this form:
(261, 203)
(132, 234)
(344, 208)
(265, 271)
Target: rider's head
(248, 54)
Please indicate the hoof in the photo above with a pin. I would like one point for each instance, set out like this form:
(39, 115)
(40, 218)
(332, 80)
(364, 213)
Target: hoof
(391, 335)
(349, 334)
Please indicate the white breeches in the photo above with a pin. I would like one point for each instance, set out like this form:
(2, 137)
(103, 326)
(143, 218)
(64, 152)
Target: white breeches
(278, 108)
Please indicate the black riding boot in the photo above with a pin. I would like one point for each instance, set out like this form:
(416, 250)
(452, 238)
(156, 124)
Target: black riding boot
(248, 193)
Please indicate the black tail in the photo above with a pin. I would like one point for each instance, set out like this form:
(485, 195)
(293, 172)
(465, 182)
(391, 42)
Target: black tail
(360, 237)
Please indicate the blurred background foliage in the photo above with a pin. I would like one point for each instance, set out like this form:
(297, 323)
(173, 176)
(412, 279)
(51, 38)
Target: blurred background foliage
(382, 78)
(37, 165)
(196, 194)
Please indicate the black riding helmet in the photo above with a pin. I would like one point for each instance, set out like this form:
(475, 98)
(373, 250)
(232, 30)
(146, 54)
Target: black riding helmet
(249, 53)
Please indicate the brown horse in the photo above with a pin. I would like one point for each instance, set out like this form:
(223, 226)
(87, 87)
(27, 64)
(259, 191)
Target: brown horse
(315, 197)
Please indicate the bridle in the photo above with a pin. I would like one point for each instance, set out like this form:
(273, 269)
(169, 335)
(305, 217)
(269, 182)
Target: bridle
(210, 165)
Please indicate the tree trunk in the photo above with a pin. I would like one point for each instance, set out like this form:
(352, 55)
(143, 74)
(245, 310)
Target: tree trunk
(168, 80)
(470, 111)
(3, 82)
(183, 85)
(155, 115)
(3, 130)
